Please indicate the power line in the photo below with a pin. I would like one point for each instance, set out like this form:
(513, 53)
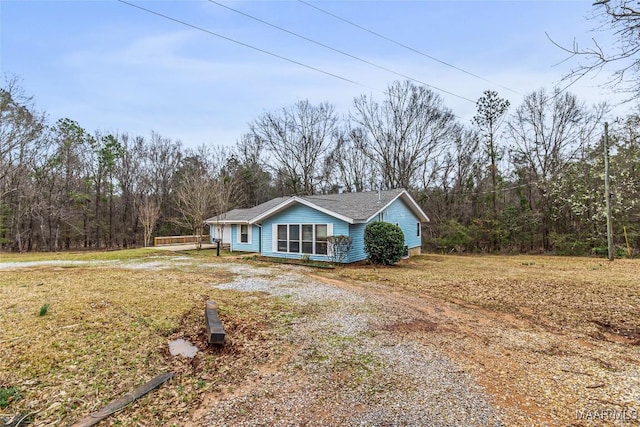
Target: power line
(340, 51)
(242, 44)
(433, 58)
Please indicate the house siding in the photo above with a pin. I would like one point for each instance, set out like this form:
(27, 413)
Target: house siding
(356, 231)
(254, 238)
(299, 214)
(398, 213)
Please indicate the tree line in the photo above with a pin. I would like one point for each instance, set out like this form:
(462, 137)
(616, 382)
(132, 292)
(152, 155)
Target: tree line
(517, 179)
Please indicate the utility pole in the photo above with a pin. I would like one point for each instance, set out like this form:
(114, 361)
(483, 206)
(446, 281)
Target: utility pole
(607, 192)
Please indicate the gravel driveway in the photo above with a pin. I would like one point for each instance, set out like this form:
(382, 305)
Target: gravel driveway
(351, 360)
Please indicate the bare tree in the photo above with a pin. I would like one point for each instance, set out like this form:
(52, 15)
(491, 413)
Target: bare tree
(622, 18)
(459, 178)
(250, 172)
(297, 138)
(354, 169)
(161, 160)
(226, 184)
(148, 213)
(339, 248)
(20, 123)
(404, 133)
(547, 131)
(128, 181)
(21, 130)
(194, 202)
(205, 188)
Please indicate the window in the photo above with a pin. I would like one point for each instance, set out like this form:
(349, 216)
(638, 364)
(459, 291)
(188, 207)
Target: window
(307, 239)
(419, 229)
(294, 238)
(282, 238)
(321, 239)
(244, 233)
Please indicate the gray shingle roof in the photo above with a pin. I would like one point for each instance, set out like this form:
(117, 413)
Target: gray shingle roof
(356, 206)
(244, 215)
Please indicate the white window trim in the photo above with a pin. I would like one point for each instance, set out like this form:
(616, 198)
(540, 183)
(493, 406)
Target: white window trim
(274, 237)
(419, 228)
(239, 234)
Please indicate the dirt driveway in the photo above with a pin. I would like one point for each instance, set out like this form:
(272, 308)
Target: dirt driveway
(352, 357)
(363, 353)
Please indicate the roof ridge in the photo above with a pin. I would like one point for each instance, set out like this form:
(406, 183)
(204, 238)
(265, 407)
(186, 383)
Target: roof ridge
(395, 190)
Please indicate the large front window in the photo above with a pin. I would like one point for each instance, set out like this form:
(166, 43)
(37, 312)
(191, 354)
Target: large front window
(307, 239)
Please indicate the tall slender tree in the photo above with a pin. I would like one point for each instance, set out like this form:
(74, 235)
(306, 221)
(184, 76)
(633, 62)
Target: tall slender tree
(491, 113)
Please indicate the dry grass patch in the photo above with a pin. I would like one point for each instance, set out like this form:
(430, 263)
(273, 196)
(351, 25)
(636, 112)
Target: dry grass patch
(106, 331)
(558, 292)
(86, 255)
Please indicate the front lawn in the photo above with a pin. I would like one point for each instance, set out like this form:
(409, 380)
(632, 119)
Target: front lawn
(560, 292)
(105, 331)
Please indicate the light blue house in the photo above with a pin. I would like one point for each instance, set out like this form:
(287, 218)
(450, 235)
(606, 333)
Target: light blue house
(298, 226)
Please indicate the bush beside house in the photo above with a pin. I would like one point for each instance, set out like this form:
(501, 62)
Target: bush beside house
(383, 243)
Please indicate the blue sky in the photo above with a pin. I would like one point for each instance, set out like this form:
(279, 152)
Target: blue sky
(114, 67)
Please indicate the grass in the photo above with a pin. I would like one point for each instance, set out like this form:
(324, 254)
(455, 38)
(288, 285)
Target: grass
(120, 255)
(106, 326)
(44, 310)
(7, 395)
(109, 333)
(555, 291)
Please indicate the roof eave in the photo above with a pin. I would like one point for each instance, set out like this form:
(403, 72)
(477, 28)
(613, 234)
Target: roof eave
(226, 221)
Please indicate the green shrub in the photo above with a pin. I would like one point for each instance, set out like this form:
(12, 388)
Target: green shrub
(383, 243)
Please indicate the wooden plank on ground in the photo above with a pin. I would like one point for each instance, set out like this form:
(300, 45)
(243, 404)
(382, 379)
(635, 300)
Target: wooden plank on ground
(120, 403)
(215, 330)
